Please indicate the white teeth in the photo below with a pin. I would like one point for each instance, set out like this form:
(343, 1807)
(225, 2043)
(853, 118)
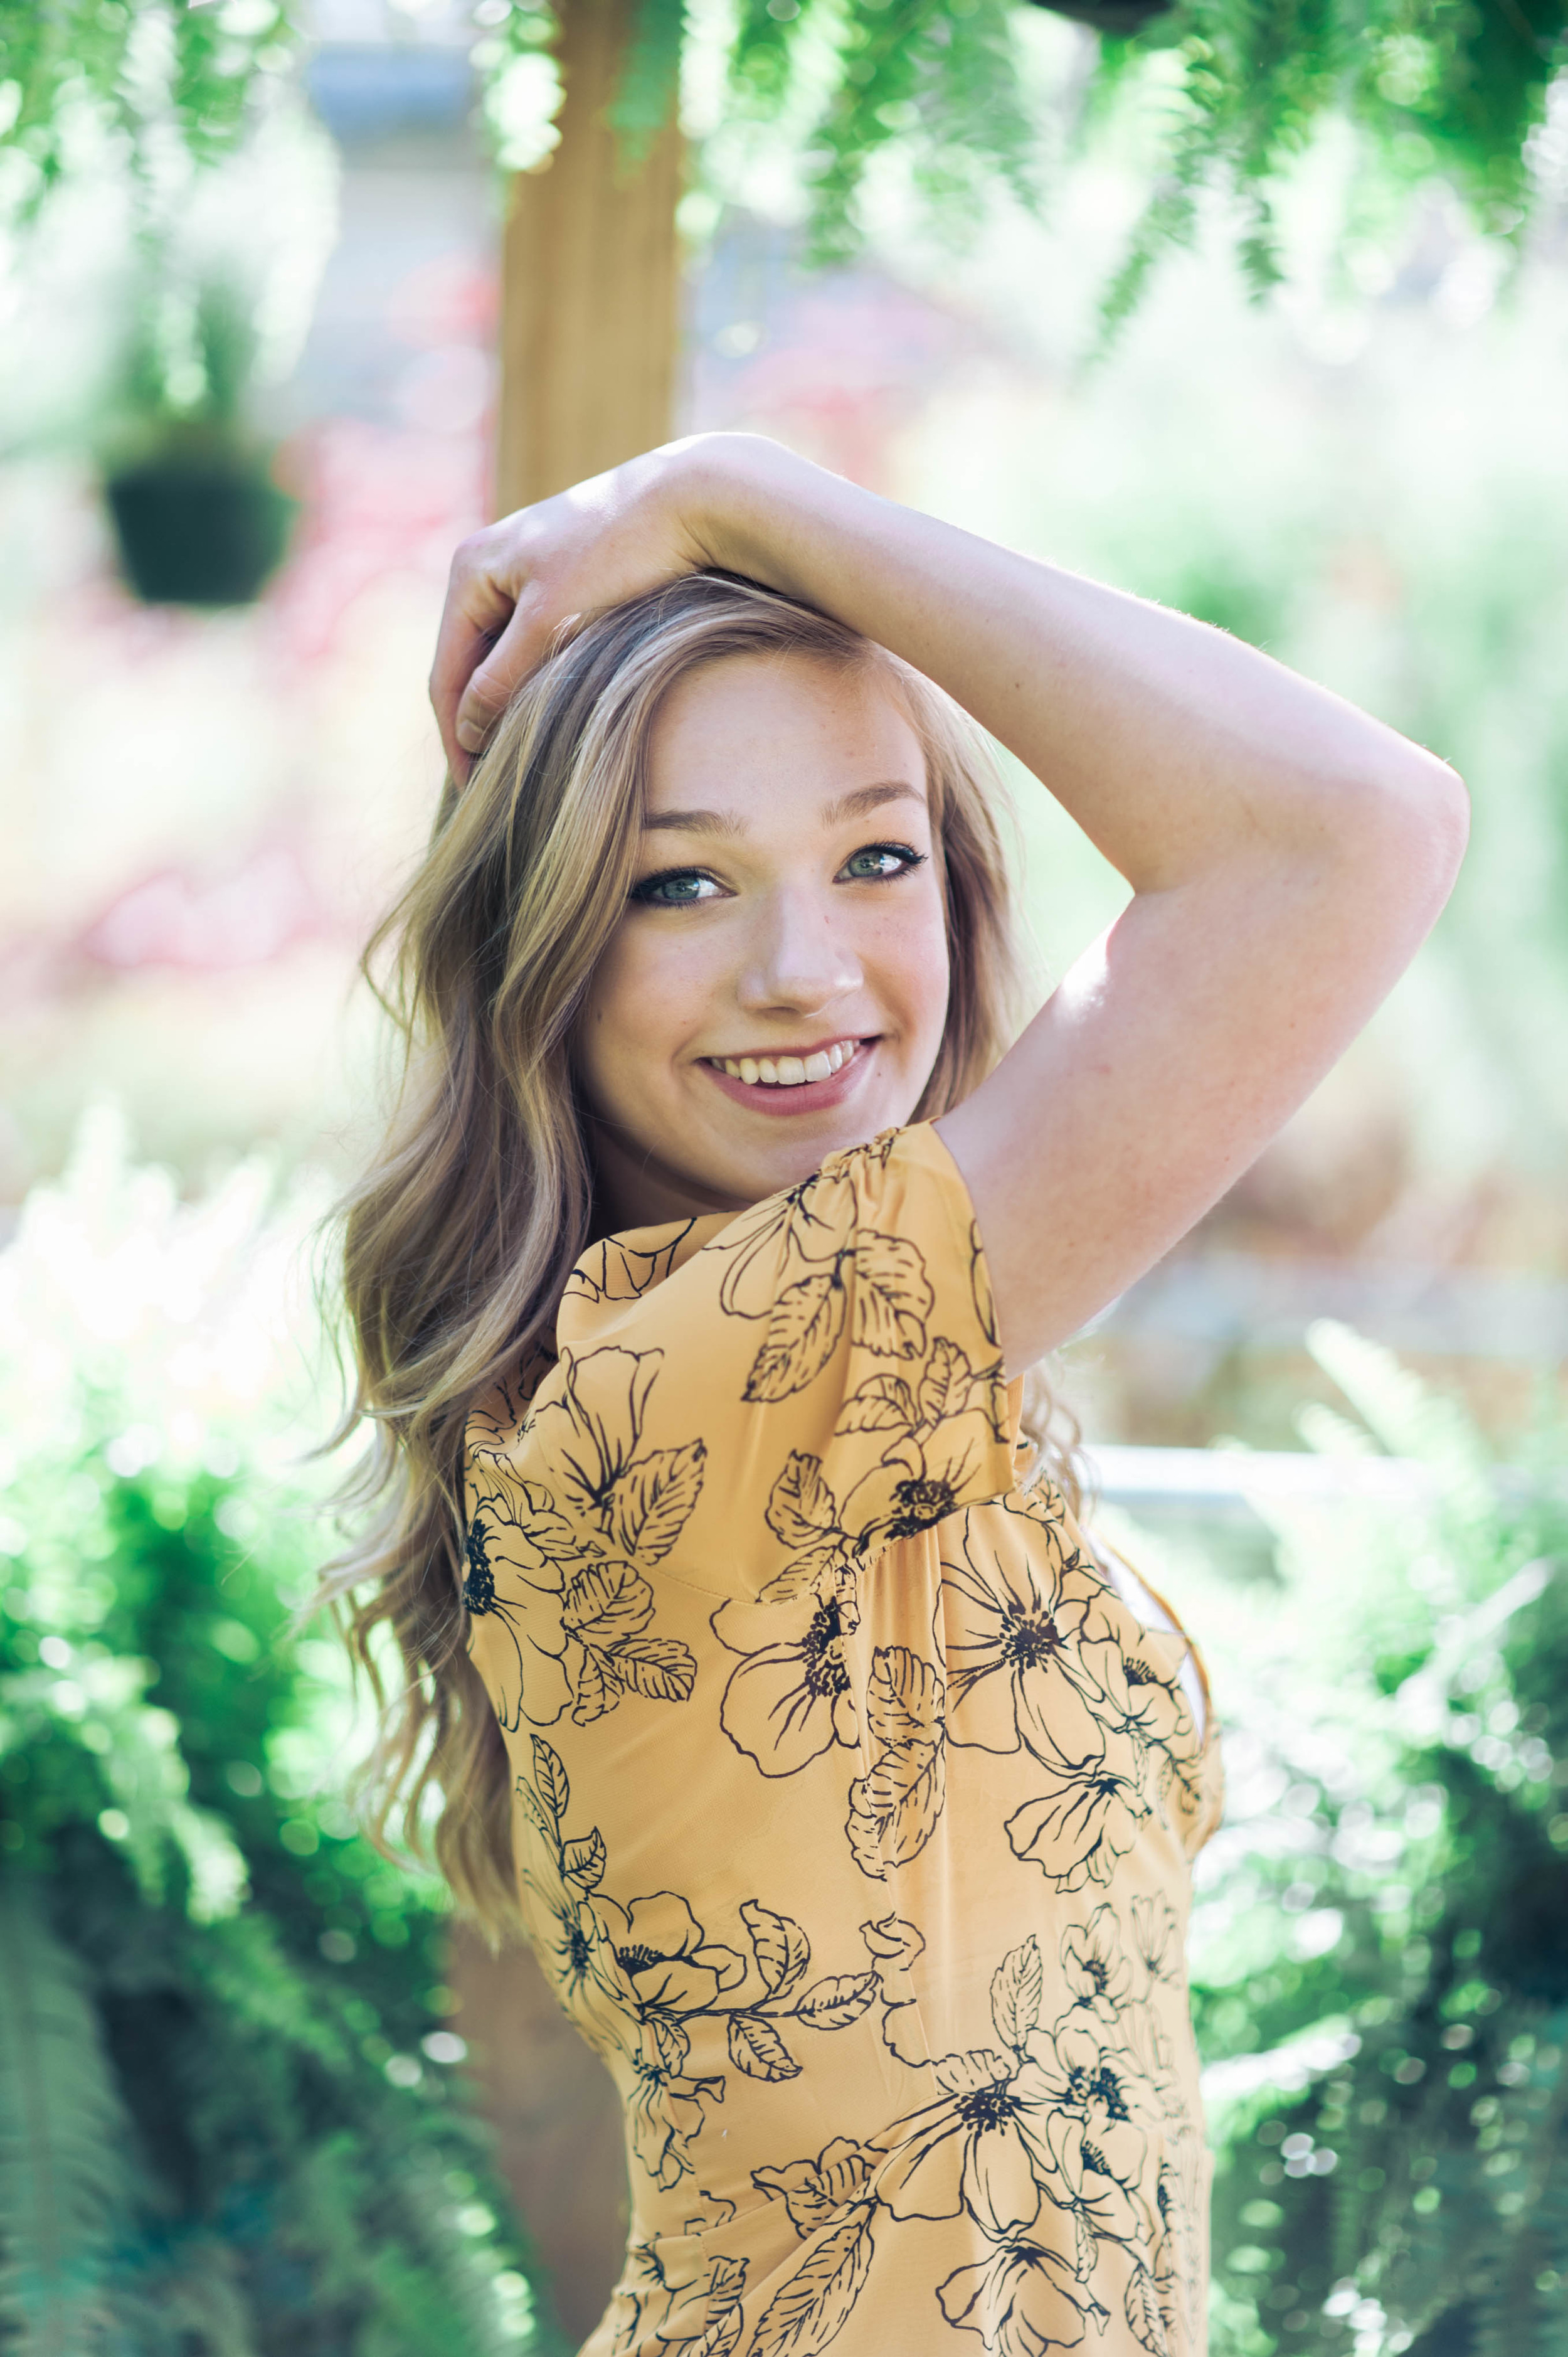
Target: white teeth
(788, 1072)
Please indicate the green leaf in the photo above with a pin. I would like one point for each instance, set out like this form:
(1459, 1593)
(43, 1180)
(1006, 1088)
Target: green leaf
(68, 2183)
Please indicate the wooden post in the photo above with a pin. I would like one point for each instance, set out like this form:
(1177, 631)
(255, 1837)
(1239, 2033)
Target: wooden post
(590, 283)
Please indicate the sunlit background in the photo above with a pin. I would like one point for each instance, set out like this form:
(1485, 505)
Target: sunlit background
(1366, 474)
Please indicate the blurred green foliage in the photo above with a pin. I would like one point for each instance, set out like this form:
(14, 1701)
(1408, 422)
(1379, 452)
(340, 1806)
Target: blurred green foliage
(86, 85)
(1228, 94)
(1380, 1948)
(1231, 93)
(227, 2125)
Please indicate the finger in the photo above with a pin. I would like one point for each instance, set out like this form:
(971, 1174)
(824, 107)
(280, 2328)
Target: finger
(477, 610)
(493, 682)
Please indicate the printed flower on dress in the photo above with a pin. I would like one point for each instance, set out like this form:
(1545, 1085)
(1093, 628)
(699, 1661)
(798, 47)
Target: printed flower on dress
(665, 1956)
(665, 2111)
(790, 1700)
(1011, 1628)
(517, 1546)
(1156, 1938)
(638, 1499)
(1098, 1973)
(1087, 1817)
(984, 2149)
(918, 1482)
(688, 2302)
(1144, 1701)
(1022, 2301)
(1098, 2150)
(793, 1233)
(938, 1425)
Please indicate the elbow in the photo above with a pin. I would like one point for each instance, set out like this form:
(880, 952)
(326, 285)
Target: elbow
(1416, 826)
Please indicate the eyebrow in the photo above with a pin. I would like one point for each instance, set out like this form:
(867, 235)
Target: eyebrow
(834, 813)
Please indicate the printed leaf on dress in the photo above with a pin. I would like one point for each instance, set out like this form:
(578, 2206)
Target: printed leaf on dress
(781, 1948)
(1016, 1987)
(801, 1336)
(895, 1807)
(806, 2315)
(835, 2003)
(756, 2048)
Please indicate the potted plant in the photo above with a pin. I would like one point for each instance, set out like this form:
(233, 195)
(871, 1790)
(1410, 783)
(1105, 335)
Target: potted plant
(199, 516)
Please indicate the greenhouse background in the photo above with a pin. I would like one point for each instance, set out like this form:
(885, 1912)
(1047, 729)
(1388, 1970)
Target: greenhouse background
(254, 2092)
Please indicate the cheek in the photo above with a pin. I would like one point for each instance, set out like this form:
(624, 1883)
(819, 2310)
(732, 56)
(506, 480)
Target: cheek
(644, 998)
(907, 961)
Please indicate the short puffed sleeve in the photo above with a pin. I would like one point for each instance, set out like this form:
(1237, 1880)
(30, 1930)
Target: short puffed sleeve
(745, 1404)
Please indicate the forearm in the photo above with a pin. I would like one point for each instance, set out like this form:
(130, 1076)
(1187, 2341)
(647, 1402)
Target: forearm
(1172, 745)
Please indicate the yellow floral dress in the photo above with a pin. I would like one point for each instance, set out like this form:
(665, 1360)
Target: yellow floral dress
(854, 1806)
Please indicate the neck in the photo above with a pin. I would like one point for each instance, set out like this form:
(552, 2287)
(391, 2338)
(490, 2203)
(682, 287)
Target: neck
(633, 1190)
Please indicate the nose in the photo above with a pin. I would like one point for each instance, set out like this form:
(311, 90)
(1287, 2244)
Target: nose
(797, 960)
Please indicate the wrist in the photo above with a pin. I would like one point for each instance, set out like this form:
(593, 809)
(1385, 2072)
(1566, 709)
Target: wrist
(735, 493)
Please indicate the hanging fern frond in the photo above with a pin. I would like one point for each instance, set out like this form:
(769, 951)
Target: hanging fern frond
(88, 73)
(67, 2190)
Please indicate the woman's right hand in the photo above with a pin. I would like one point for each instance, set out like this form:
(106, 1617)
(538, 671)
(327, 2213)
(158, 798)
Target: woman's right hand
(516, 582)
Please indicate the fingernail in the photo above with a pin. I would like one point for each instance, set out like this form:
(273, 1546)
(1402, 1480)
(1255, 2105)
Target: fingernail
(470, 734)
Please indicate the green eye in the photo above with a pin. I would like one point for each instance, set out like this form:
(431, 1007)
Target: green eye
(875, 861)
(678, 887)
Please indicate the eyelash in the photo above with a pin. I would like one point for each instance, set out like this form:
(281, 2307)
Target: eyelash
(645, 891)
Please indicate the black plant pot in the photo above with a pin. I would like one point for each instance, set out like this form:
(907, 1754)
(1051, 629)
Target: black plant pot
(1120, 17)
(199, 526)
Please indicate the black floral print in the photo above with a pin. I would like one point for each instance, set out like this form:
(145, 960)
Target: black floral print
(1015, 1634)
(790, 1696)
(748, 1570)
(1040, 2141)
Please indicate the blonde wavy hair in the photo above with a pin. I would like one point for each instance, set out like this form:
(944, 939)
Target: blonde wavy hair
(458, 1239)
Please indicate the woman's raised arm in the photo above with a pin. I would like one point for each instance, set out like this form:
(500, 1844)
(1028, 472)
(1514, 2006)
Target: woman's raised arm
(1287, 853)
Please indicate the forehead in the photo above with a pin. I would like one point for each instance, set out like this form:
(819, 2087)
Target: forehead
(779, 724)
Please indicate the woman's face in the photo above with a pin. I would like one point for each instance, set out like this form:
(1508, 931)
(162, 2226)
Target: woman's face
(778, 984)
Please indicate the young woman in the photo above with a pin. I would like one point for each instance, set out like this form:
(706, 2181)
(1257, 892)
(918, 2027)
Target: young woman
(846, 1794)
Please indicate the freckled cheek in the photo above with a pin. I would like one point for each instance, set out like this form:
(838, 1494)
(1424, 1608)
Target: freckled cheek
(648, 1001)
(907, 968)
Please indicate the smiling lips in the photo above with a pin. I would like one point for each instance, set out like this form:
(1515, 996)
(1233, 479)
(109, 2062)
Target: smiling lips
(788, 1071)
